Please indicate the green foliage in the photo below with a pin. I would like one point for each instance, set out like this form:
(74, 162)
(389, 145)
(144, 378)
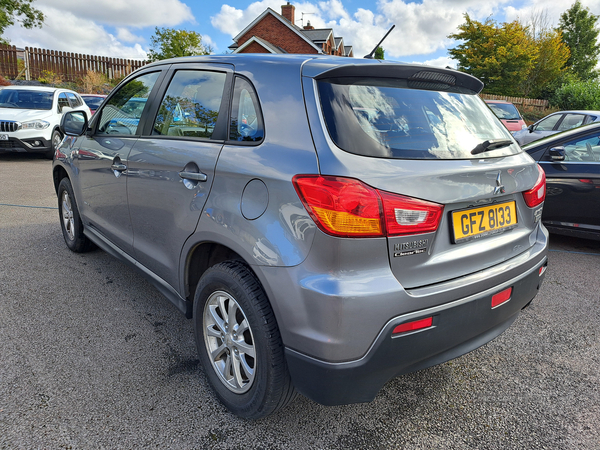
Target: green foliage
(12, 11)
(49, 77)
(379, 53)
(500, 56)
(578, 95)
(580, 34)
(171, 43)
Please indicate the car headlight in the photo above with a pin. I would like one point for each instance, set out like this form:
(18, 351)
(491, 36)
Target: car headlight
(523, 127)
(34, 124)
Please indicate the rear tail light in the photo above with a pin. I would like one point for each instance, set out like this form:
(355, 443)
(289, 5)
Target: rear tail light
(537, 194)
(347, 207)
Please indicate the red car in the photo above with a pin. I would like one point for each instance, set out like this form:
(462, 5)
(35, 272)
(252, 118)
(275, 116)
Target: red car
(93, 101)
(507, 113)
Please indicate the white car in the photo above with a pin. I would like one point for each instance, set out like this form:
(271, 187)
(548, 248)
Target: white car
(30, 117)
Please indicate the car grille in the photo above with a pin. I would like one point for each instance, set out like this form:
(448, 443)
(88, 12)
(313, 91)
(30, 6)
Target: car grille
(8, 126)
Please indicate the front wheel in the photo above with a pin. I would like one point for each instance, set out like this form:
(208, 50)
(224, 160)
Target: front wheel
(239, 342)
(70, 222)
(55, 143)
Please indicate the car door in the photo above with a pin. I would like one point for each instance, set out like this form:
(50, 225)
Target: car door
(573, 184)
(102, 161)
(171, 166)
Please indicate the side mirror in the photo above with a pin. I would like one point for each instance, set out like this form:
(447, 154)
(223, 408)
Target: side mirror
(557, 153)
(74, 123)
(530, 128)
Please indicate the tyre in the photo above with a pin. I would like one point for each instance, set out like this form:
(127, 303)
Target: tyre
(70, 222)
(239, 342)
(55, 142)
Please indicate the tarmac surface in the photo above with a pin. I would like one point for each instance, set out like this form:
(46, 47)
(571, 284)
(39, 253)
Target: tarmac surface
(93, 357)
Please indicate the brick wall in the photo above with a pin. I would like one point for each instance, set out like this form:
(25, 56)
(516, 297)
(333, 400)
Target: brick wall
(255, 47)
(272, 30)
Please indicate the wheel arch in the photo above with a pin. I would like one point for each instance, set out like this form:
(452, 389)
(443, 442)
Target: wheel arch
(58, 173)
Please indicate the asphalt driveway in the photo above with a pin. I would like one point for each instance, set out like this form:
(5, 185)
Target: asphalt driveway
(92, 356)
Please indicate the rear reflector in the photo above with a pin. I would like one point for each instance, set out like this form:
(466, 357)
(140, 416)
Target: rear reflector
(543, 269)
(413, 326)
(501, 297)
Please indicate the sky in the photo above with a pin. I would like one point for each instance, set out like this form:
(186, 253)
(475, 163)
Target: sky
(122, 28)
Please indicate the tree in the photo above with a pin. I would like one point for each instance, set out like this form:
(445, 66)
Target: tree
(379, 53)
(580, 33)
(171, 43)
(550, 65)
(500, 56)
(12, 11)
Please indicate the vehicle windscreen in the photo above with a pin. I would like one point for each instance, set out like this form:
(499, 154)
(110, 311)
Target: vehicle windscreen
(23, 99)
(384, 117)
(505, 111)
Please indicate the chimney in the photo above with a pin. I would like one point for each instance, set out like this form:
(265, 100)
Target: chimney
(308, 26)
(287, 11)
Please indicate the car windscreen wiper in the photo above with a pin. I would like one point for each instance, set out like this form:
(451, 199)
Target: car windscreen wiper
(491, 144)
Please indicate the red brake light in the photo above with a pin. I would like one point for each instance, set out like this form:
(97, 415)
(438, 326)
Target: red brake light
(347, 207)
(537, 194)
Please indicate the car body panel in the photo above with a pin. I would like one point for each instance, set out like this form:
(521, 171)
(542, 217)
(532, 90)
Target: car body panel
(556, 123)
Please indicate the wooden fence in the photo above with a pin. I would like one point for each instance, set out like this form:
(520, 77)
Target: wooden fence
(525, 102)
(67, 66)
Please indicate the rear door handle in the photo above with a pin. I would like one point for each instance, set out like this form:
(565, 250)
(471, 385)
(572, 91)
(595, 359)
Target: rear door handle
(193, 176)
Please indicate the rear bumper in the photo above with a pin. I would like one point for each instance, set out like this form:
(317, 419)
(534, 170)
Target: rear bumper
(458, 328)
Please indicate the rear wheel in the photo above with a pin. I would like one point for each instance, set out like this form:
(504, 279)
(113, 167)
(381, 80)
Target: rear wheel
(70, 222)
(239, 342)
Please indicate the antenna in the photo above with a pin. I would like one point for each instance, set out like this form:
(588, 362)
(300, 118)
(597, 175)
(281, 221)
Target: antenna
(370, 55)
(302, 18)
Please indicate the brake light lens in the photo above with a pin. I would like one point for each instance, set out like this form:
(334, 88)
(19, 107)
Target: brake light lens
(537, 194)
(413, 326)
(347, 207)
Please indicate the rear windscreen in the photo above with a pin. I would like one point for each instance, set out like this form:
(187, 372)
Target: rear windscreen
(383, 117)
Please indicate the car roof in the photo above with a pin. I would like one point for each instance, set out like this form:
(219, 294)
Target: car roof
(576, 111)
(498, 101)
(35, 88)
(594, 126)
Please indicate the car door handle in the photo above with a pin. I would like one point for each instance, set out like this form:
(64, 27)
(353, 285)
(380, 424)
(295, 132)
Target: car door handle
(118, 166)
(194, 176)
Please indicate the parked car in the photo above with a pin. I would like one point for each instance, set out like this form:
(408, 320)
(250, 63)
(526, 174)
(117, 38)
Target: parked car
(508, 114)
(93, 101)
(30, 117)
(571, 161)
(555, 123)
(328, 223)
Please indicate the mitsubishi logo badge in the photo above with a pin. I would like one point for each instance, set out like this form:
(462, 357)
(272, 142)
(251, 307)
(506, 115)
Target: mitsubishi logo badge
(499, 189)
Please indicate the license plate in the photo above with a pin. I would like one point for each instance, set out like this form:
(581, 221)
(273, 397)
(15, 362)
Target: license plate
(3, 137)
(475, 223)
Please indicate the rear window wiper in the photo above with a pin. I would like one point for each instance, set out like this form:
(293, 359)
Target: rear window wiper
(491, 144)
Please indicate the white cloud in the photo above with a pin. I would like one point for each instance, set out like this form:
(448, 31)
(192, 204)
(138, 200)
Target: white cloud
(81, 36)
(123, 34)
(132, 13)
(442, 61)
(230, 20)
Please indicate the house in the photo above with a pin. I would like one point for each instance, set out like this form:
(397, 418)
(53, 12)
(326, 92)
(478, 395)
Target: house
(277, 33)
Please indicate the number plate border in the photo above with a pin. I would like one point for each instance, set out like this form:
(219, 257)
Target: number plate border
(485, 233)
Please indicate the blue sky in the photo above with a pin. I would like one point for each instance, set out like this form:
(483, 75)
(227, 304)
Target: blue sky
(123, 28)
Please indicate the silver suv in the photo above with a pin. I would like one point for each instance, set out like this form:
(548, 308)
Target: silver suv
(328, 223)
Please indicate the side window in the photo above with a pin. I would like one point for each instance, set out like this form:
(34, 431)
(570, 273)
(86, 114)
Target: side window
(585, 149)
(122, 113)
(246, 121)
(191, 104)
(571, 121)
(548, 123)
(62, 102)
(73, 100)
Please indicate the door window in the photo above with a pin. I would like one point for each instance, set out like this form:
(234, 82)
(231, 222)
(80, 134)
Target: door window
(246, 121)
(122, 113)
(190, 107)
(62, 102)
(585, 149)
(571, 121)
(548, 123)
(75, 102)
